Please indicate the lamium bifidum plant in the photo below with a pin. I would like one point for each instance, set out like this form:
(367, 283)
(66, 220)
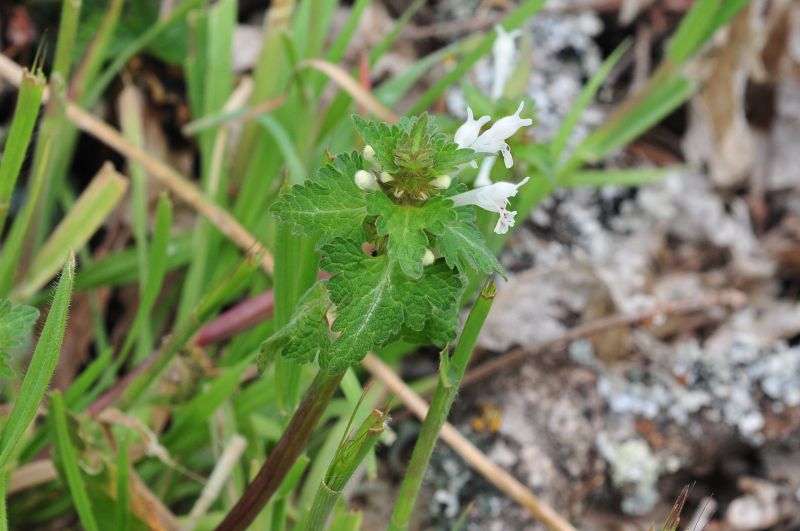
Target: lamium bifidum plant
(396, 235)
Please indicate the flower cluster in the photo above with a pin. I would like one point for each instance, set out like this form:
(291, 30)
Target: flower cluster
(494, 197)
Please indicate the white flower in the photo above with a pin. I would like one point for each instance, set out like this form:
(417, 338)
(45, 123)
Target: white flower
(386, 177)
(428, 258)
(469, 130)
(442, 182)
(366, 181)
(504, 51)
(493, 198)
(493, 140)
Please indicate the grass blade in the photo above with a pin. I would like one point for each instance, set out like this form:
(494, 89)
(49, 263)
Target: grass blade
(67, 31)
(69, 461)
(615, 177)
(92, 208)
(568, 125)
(19, 137)
(123, 509)
(41, 368)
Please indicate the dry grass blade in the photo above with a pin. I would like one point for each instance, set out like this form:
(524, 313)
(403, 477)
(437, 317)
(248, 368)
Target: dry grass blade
(87, 215)
(346, 82)
(493, 473)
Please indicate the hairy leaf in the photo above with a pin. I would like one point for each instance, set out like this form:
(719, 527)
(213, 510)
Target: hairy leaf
(375, 299)
(16, 322)
(463, 247)
(330, 205)
(305, 335)
(406, 225)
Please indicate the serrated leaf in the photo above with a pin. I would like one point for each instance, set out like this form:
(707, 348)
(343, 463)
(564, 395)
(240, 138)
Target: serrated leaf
(328, 206)
(305, 335)
(375, 299)
(16, 323)
(463, 247)
(405, 225)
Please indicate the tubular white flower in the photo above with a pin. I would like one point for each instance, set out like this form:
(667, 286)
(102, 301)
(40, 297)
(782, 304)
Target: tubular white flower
(469, 130)
(503, 50)
(386, 177)
(428, 258)
(442, 182)
(508, 125)
(366, 181)
(493, 140)
(493, 198)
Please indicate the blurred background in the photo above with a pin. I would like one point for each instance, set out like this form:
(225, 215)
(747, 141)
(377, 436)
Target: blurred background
(644, 352)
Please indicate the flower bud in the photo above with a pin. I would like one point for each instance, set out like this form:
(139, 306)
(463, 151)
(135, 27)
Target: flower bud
(386, 177)
(366, 181)
(369, 154)
(442, 182)
(428, 258)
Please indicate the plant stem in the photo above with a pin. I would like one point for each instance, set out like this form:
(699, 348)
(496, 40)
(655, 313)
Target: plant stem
(285, 453)
(349, 456)
(451, 370)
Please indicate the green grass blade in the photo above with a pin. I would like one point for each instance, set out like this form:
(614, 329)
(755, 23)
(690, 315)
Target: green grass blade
(67, 31)
(514, 20)
(92, 208)
(87, 71)
(69, 461)
(123, 516)
(659, 98)
(615, 177)
(19, 137)
(564, 132)
(41, 368)
(338, 48)
(119, 62)
(156, 270)
(699, 25)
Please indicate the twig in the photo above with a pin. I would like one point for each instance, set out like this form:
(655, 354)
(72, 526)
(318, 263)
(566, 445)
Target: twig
(181, 186)
(219, 476)
(732, 298)
(246, 314)
(496, 475)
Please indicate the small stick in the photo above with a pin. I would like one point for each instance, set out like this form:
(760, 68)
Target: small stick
(492, 472)
(219, 476)
(730, 298)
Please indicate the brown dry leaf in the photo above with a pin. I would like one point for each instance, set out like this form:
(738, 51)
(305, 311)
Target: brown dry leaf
(719, 133)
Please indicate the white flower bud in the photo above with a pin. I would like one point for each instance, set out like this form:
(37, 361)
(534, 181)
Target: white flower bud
(469, 130)
(493, 198)
(442, 182)
(369, 154)
(386, 177)
(366, 181)
(428, 258)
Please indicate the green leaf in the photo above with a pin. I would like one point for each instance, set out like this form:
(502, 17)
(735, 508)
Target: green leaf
(41, 368)
(463, 247)
(330, 205)
(305, 335)
(16, 322)
(69, 462)
(374, 299)
(405, 225)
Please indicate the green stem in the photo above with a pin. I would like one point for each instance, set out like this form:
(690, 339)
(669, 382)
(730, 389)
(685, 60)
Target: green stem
(349, 456)
(285, 453)
(3, 512)
(451, 371)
